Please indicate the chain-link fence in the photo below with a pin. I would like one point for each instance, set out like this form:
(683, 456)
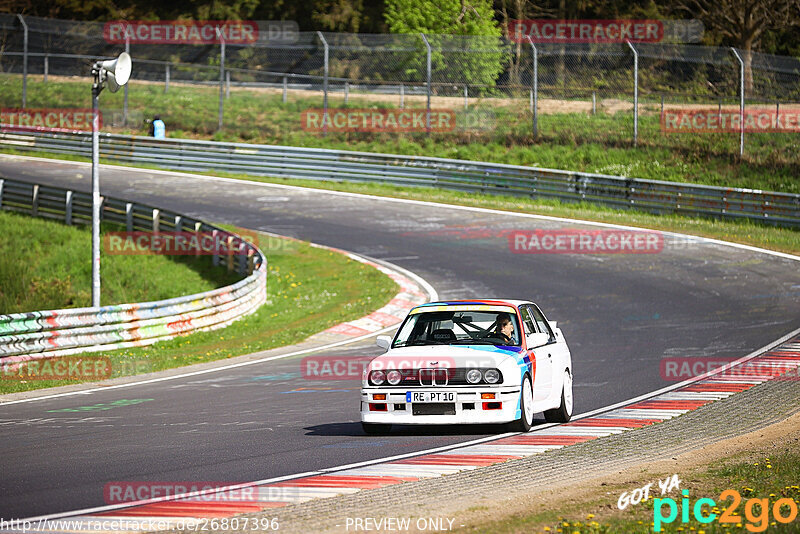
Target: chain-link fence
(530, 91)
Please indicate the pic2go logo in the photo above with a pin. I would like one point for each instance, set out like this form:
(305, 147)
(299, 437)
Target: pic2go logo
(783, 511)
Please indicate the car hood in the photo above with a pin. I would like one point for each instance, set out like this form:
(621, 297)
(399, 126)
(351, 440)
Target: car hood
(447, 356)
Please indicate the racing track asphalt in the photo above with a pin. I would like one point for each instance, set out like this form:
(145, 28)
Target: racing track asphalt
(620, 314)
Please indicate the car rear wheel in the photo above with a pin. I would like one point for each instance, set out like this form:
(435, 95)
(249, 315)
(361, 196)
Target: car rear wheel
(563, 413)
(376, 428)
(525, 421)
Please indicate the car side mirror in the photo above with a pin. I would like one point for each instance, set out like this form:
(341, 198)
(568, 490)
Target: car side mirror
(383, 342)
(537, 340)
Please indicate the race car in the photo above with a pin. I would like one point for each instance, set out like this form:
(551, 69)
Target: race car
(469, 361)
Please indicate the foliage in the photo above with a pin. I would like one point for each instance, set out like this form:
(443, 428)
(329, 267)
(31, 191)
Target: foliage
(441, 19)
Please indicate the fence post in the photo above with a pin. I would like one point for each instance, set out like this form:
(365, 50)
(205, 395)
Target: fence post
(741, 101)
(125, 97)
(285, 84)
(428, 90)
(402, 95)
(46, 66)
(1, 192)
(68, 209)
(221, 77)
(535, 89)
(227, 84)
(635, 93)
(24, 61)
(346, 92)
(324, 84)
(466, 96)
(156, 219)
(594, 102)
(166, 78)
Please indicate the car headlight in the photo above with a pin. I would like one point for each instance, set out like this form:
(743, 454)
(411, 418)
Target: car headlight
(394, 377)
(377, 377)
(492, 376)
(474, 376)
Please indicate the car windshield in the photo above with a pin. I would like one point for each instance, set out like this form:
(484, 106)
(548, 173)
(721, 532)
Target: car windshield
(459, 328)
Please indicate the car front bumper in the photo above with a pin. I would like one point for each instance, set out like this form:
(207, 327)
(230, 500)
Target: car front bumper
(468, 408)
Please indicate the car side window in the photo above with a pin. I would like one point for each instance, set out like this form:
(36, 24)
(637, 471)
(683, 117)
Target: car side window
(530, 327)
(542, 323)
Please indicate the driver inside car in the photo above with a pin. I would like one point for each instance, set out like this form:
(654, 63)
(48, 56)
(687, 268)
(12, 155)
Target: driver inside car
(504, 329)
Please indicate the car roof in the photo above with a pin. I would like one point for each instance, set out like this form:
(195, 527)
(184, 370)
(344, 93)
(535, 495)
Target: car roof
(479, 302)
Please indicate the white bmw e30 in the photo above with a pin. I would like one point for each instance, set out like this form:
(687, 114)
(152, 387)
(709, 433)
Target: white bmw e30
(469, 362)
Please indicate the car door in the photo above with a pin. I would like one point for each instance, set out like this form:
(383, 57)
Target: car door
(557, 349)
(543, 376)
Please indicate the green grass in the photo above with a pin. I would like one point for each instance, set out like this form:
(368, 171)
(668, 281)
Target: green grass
(771, 478)
(309, 289)
(46, 265)
(571, 141)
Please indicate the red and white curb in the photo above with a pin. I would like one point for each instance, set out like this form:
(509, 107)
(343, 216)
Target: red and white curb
(197, 508)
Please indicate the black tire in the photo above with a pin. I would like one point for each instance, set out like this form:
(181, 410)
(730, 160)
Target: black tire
(525, 422)
(563, 413)
(376, 429)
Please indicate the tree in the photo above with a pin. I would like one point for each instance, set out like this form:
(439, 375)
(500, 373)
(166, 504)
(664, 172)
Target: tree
(744, 22)
(477, 59)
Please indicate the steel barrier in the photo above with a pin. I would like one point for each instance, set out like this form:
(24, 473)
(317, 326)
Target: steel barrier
(42, 334)
(653, 196)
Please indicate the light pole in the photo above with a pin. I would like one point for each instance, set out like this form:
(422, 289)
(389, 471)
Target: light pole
(114, 74)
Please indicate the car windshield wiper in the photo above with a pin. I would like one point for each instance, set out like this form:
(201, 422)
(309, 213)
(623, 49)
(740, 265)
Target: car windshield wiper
(422, 342)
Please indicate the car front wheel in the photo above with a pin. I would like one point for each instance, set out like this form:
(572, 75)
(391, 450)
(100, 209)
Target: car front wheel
(525, 421)
(563, 413)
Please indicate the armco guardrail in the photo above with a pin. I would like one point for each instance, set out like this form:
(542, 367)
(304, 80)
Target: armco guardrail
(42, 334)
(339, 165)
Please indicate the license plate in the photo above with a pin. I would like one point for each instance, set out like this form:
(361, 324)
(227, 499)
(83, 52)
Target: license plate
(430, 396)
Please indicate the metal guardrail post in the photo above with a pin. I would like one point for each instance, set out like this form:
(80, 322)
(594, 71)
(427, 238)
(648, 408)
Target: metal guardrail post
(324, 84)
(24, 61)
(2, 181)
(129, 216)
(741, 101)
(68, 209)
(156, 220)
(428, 85)
(227, 84)
(166, 78)
(594, 102)
(346, 92)
(221, 77)
(402, 95)
(125, 96)
(178, 223)
(466, 96)
(215, 245)
(284, 89)
(635, 93)
(35, 201)
(535, 89)
(46, 67)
